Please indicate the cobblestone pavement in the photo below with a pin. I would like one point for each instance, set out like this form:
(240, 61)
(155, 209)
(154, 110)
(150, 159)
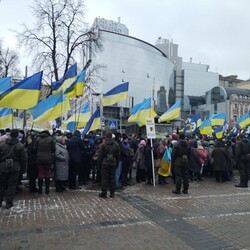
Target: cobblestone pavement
(212, 216)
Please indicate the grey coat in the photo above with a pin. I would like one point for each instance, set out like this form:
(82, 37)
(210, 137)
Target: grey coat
(61, 162)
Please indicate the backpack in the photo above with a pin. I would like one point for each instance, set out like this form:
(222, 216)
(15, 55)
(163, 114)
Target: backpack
(184, 159)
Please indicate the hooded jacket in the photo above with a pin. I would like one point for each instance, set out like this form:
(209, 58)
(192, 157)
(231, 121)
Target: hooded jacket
(13, 149)
(108, 147)
(182, 148)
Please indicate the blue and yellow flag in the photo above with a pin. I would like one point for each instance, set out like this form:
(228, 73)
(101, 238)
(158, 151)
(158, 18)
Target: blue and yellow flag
(4, 84)
(192, 124)
(142, 111)
(6, 117)
(77, 87)
(78, 120)
(165, 168)
(94, 122)
(218, 119)
(51, 108)
(172, 113)
(244, 120)
(115, 95)
(206, 128)
(70, 73)
(23, 95)
(219, 131)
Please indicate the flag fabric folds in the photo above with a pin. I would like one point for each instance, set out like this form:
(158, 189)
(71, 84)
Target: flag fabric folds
(165, 168)
(94, 122)
(23, 95)
(141, 112)
(115, 95)
(77, 87)
(218, 119)
(173, 112)
(78, 120)
(192, 124)
(219, 132)
(4, 84)
(51, 108)
(205, 127)
(6, 117)
(70, 73)
(244, 120)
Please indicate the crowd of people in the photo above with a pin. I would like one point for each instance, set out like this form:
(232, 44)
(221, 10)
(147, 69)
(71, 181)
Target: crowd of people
(72, 160)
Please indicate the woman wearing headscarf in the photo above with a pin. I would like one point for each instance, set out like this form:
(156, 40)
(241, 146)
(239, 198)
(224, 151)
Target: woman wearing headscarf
(140, 162)
(61, 164)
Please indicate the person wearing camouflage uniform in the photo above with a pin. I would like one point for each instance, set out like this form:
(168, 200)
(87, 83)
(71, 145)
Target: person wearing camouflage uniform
(13, 160)
(108, 158)
(180, 162)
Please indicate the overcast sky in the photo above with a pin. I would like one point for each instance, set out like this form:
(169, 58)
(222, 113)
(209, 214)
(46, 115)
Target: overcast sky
(212, 32)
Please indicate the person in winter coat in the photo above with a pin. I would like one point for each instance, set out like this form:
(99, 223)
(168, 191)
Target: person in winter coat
(180, 159)
(220, 159)
(32, 171)
(61, 164)
(108, 158)
(148, 162)
(75, 148)
(203, 154)
(195, 163)
(127, 155)
(140, 162)
(45, 149)
(13, 160)
(242, 158)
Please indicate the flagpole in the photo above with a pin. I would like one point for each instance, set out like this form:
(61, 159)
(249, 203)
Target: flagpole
(24, 112)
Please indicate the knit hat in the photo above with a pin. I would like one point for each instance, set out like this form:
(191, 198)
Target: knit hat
(143, 143)
(109, 134)
(14, 133)
(175, 137)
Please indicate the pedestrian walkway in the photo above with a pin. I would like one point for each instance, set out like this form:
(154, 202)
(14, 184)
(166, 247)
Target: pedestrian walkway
(212, 216)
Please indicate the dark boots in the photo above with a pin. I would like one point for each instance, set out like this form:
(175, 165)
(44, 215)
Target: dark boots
(176, 191)
(103, 194)
(40, 186)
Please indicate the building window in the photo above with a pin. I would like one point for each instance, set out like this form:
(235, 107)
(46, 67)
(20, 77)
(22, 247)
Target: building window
(235, 106)
(235, 118)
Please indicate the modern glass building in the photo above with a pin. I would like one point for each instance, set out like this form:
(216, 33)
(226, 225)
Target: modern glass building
(128, 59)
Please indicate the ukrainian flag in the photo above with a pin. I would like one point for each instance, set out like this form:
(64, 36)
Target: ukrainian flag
(6, 117)
(218, 119)
(205, 127)
(4, 84)
(51, 108)
(23, 95)
(78, 120)
(219, 132)
(77, 87)
(94, 122)
(115, 95)
(67, 79)
(173, 112)
(244, 120)
(141, 112)
(165, 168)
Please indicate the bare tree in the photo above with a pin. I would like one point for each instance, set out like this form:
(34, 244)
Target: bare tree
(8, 62)
(59, 35)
